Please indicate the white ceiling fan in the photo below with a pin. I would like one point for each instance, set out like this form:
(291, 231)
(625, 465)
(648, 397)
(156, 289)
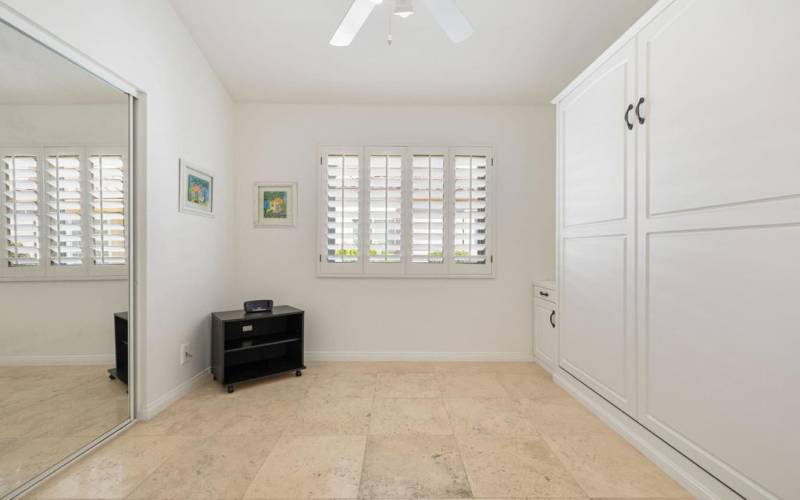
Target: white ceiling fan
(445, 12)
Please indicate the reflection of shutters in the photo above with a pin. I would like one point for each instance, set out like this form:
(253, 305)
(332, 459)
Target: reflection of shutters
(108, 209)
(469, 229)
(342, 208)
(64, 210)
(385, 208)
(427, 206)
(21, 199)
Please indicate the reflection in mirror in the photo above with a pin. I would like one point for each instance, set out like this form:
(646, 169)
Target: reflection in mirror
(63, 258)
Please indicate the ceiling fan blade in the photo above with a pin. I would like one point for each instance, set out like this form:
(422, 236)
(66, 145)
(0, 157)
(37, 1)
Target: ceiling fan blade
(450, 19)
(351, 24)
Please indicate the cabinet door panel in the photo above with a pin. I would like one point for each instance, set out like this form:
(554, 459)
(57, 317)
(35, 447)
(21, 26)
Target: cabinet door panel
(596, 344)
(722, 346)
(545, 334)
(595, 144)
(722, 103)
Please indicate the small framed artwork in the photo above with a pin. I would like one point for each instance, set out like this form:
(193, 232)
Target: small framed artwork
(275, 204)
(196, 190)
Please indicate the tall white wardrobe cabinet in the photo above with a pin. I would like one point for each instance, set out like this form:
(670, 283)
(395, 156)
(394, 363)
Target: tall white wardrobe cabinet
(679, 236)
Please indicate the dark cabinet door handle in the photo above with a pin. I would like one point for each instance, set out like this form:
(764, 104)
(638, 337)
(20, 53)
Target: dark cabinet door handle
(639, 111)
(544, 294)
(628, 116)
(552, 316)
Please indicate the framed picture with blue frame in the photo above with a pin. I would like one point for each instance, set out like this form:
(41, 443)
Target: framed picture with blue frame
(275, 204)
(196, 194)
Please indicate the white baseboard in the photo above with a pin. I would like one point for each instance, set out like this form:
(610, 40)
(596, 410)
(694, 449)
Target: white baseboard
(697, 481)
(417, 356)
(162, 403)
(69, 359)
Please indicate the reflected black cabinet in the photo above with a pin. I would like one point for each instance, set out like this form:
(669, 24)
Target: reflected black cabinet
(247, 346)
(120, 370)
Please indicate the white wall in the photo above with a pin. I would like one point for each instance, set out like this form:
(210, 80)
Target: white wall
(399, 318)
(67, 321)
(189, 115)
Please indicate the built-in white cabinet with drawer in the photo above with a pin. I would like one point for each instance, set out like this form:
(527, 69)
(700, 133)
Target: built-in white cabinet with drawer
(545, 325)
(679, 235)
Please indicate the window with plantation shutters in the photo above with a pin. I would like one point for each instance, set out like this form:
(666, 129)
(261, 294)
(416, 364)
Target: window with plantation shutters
(385, 208)
(423, 212)
(107, 173)
(64, 209)
(470, 209)
(342, 208)
(21, 203)
(63, 213)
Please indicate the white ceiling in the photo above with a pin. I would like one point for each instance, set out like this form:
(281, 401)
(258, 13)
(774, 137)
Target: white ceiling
(34, 74)
(523, 51)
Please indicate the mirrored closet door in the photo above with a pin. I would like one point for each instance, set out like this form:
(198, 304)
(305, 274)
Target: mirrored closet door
(65, 375)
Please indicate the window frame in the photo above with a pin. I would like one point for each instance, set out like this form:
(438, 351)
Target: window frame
(335, 268)
(383, 268)
(434, 269)
(448, 269)
(108, 270)
(16, 273)
(53, 271)
(45, 271)
(453, 267)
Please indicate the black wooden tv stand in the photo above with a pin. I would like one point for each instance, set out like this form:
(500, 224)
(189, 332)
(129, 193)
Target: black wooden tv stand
(248, 346)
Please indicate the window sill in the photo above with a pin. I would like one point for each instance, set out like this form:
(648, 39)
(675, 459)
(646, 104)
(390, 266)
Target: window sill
(408, 276)
(36, 279)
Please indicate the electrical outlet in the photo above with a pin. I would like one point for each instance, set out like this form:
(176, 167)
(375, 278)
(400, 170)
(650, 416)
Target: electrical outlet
(185, 354)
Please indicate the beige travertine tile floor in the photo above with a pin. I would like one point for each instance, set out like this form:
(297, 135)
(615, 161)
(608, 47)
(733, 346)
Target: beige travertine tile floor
(48, 412)
(372, 430)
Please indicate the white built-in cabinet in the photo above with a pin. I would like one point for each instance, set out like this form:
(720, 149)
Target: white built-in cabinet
(545, 325)
(679, 235)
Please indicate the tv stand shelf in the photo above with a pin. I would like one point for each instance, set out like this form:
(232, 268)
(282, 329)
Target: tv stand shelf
(248, 346)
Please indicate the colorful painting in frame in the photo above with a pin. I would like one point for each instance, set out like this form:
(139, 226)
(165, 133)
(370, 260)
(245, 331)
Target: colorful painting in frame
(275, 204)
(196, 190)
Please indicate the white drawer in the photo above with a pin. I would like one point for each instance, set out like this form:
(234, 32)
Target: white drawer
(545, 294)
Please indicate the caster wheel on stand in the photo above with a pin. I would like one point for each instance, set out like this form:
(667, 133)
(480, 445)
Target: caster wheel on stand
(230, 389)
(298, 373)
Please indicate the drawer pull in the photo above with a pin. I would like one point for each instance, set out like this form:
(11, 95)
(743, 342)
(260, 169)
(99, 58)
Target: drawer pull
(544, 294)
(552, 316)
(247, 328)
(627, 117)
(639, 112)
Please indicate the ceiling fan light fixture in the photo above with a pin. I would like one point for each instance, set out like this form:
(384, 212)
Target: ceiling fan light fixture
(403, 8)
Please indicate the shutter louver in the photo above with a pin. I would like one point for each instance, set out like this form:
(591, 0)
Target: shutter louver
(108, 209)
(343, 184)
(428, 209)
(385, 208)
(469, 243)
(21, 199)
(64, 210)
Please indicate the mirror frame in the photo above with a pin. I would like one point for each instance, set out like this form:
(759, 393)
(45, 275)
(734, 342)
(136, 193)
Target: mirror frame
(49, 41)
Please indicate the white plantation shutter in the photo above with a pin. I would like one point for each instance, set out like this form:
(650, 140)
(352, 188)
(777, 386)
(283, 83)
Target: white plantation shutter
(427, 205)
(21, 208)
(341, 171)
(385, 225)
(470, 212)
(107, 180)
(64, 209)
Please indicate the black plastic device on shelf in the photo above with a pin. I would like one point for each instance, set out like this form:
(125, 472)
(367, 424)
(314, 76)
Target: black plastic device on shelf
(254, 306)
